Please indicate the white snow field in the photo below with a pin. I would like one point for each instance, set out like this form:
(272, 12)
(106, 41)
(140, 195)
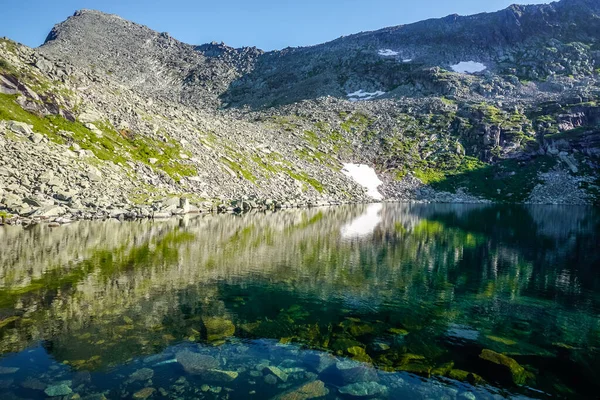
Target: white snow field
(364, 176)
(387, 53)
(363, 225)
(362, 95)
(468, 67)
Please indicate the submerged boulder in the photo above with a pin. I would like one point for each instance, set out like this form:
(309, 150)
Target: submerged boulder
(218, 328)
(518, 374)
(363, 389)
(311, 390)
(217, 375)
(195, 363)
(61, 389)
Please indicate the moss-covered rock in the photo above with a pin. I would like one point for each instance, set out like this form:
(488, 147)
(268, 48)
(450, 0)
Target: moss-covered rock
(218, 328)
(518, 374)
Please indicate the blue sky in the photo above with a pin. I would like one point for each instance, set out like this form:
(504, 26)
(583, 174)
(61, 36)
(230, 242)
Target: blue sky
(268, 24)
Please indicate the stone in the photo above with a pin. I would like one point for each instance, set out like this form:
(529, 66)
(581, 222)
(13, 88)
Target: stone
(33, 384)
(363, 389)
(8, 370)
(49, 211)
(281, 376)
(65, 195)
(218, 328)
(36, 138)
(311, 390)
(195, 363)
(218, 375)
(144, 393)
(94, 175)
(351, 371)
(94, 129)
(20, 128)
(142, 374)
(467, 396)
(61, 389)
(518, 374)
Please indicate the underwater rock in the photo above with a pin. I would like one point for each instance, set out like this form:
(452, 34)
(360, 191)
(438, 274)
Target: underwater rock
(6, 383)
(81, 377)
(415, 363)
(311, 390)
(141, 375)
(321, 361)
(350, 371)
(464, 333)
(502, 340)
(61, 389)
(465, 376)
(518, 373)
(359, 354)
(282, 376)
(194, 363)
(33, 384)
(363, 389)
(8, 370)
(398, 331)
(218, 328)
(467, 396)
(144, 393)
(379, 347)
(96, 396)
(271, 379)
(218, 375)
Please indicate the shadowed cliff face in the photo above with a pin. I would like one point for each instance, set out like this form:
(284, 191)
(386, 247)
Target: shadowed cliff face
(417, 288)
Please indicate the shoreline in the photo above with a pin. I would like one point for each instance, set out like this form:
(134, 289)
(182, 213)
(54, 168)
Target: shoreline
(233, 207)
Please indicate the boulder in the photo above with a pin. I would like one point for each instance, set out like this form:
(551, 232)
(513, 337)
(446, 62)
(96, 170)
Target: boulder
(218, 328)
(363, 389)
(518, 374)
(20, 128)
(195, 363)
(311, 390)
(61, 389)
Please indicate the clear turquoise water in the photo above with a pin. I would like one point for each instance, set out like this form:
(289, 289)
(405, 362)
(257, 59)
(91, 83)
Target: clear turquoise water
(382, 301)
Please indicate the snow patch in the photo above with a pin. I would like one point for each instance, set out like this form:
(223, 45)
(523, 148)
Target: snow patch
(364, 176)
(468, 67)
(365, 224)
(362, 95)
(387, 53)
(407, 60)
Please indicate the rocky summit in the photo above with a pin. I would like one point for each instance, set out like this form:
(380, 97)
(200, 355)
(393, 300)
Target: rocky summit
(109, 118)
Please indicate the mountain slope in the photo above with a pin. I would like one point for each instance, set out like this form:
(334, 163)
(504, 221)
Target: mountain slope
(111, 118)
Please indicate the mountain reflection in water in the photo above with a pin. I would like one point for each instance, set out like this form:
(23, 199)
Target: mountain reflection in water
(382, 301)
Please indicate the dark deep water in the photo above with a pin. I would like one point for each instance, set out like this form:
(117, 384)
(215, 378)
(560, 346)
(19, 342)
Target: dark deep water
(381, 301)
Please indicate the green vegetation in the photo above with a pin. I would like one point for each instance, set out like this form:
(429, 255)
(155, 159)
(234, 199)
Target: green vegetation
(113, 146)
(507, 181)
(356, 121)
(239, 169)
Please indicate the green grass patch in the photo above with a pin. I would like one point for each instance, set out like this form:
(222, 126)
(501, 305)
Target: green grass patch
(113, 146)
(239, 169)
(356, 121)
(507, 181)
(570, 134)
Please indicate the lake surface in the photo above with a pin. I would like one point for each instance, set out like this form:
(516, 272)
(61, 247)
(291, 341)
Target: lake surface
(385, 301)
